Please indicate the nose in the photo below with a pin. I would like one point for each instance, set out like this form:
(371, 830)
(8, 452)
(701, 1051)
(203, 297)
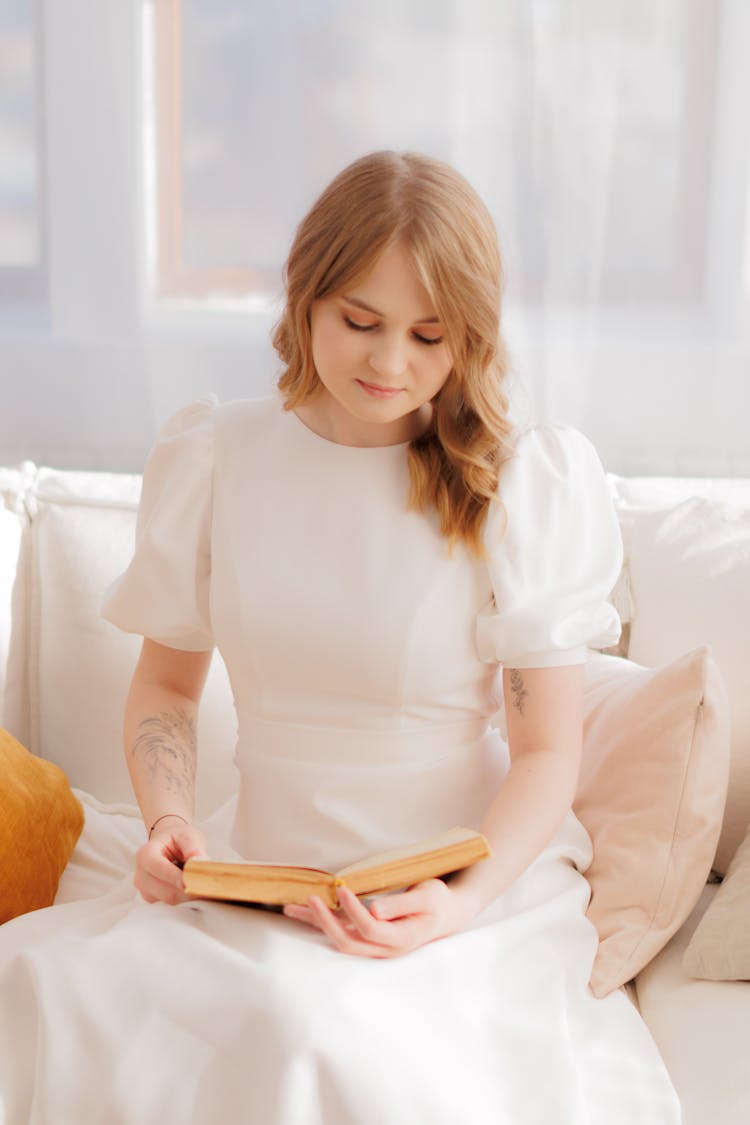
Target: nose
(388, 357)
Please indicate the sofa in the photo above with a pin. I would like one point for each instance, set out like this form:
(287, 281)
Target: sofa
(684, 598)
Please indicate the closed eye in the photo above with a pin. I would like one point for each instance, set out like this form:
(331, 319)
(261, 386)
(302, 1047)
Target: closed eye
(354, 324)
(358, 327)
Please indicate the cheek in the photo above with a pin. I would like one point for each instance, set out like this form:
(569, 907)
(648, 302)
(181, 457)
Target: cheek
(331, 344)
(440, 367)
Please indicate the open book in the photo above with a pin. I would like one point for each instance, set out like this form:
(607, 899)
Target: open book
(277, 884)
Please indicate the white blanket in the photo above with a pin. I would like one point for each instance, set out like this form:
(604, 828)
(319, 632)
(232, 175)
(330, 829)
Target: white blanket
(115, 1011)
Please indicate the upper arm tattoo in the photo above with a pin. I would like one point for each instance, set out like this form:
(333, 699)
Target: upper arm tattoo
(167, 744)
(518, 688)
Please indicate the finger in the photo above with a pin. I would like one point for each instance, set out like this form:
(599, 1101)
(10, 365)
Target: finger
(161, 870)
(397, 906)
(158, 877)
(362, 920)
(164, 856)
(364, 933)
(343, 932)
(392, 939)
(165, 870)
(179, 851)
(299, 913)
(304, 912)
(153, 864)
(156, 890)
(345, 941)
(407, 934)
(188, 844)
(422, 898)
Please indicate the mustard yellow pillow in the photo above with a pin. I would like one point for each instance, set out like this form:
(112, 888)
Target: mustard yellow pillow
(40, 822)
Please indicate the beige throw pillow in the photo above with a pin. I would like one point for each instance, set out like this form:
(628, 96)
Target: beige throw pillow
(651, 794)
(720, 946)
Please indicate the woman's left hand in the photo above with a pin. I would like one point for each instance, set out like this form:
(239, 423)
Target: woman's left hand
(394, 924)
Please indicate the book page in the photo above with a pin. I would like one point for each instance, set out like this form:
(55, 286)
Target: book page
(247, 869)
(264, 883)
(445, 840)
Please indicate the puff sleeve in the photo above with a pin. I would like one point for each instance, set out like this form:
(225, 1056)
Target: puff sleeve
(555, 553)
(164, 593)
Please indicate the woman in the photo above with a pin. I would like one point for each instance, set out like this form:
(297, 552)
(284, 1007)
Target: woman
(368, 550)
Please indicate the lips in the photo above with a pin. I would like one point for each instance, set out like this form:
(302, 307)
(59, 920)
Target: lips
(377, 391)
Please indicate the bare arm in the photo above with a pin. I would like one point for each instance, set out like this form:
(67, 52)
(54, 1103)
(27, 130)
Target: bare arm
(161, 752)
(544, 712)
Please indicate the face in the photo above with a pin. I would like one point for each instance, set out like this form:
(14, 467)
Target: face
(380, 354)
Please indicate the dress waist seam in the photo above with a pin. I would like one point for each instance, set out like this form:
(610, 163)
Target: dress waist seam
(264, 738)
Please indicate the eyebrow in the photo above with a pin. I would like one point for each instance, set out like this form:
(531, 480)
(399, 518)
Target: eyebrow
(368, 308)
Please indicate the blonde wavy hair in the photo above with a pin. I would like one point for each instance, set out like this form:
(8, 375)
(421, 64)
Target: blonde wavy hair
(389, 197)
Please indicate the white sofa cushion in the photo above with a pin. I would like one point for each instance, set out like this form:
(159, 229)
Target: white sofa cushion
(78, 667)
(702, 1030)
(690, 580)
(12, 521)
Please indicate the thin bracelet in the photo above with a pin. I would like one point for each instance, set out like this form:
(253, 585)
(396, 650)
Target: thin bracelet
(164, 817)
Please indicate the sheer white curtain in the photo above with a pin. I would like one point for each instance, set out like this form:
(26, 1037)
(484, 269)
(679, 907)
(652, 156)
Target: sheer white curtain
(602, 135)
(635, 129)
(609, 138)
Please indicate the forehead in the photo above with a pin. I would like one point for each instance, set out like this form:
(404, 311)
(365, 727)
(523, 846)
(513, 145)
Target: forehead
(395, 276)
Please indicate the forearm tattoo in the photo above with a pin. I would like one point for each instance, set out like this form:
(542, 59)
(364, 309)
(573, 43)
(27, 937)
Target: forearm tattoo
(518, 689)
(167, 745)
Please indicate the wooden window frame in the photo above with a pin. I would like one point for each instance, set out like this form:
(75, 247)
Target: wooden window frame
(25, 283)
(173, 278)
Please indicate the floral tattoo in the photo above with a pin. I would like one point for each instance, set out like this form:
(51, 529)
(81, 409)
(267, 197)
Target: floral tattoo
(518, 688)
(168, 746)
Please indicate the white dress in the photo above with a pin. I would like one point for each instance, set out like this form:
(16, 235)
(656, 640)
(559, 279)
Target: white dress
(364, 659)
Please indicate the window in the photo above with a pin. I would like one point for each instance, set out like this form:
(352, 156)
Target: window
(22, 249)
(588, 129)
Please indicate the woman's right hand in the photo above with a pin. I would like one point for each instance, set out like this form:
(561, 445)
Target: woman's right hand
(158, 864)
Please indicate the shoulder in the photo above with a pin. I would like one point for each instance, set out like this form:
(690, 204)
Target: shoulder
(186, 435)
(202, 427)
(248, 418)
(208, 412)
(546, 464)
(193, 416)
(552, 482)
(549, 451)
(250, 409)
